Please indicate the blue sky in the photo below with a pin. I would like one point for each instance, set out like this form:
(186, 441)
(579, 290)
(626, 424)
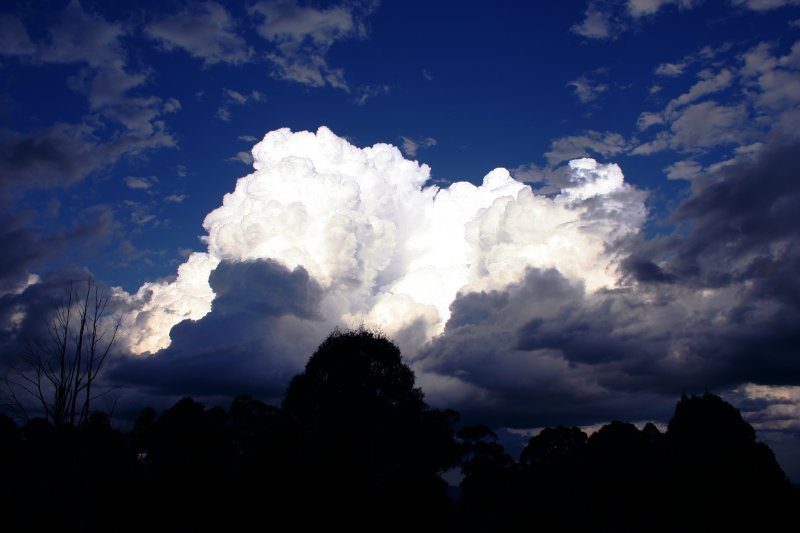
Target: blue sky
(492, 86)
(123, 125)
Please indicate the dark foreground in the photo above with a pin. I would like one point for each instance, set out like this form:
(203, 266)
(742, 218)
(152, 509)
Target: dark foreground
(354, 447)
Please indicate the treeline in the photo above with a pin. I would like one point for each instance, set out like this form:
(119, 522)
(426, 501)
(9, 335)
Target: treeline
(354, 447)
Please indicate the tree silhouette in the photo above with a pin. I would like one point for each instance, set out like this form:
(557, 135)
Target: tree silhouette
(720, 477)
(487, 490)
(59, 374)
(552, 447)
(365, 443)
(553, 481)
(623, 470)
(480, 452)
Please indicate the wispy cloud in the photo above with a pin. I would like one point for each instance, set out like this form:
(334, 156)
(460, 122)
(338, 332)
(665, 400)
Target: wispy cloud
(586, 89)
(302, 37)
(206, 31)
(139, 182)
(412, 146)
(368, 92)
(233, 98)
(246, 158)
(590, 143)
(176, 198)
(597, 22)
(119, 124)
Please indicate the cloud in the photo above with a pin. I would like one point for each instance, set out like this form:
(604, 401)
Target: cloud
(119, 124)
(712, 306)
(761, 88)
(643, 8)
(700, 127)
(142, 183)
(597, 22)
(28, 250)
(206, 31)
(59, 155)
(590, 143)
(80, 37)
(517, 308)
(26, 307)
(587, 90)
(411, 146)
(764, 5)
(608, 19)
(63, 154)
(647, 120)
(384, 248)
(743, 222)
(234, 98)
(176, 198)
(367, 92)
(302, 37)
(269, 315)
(709, 84)
(683, 170)
(142, 215)
(670, 69)
(703, 56)
(708, 124)
(773, 81)
(242, 157)
(14, 39)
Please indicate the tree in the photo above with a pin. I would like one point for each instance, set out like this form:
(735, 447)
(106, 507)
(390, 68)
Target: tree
(364, 444)
(555, 447)
(719, 476)
(480, 452)
(60, 372)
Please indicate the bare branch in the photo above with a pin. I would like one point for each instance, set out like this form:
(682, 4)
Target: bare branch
(60, 375)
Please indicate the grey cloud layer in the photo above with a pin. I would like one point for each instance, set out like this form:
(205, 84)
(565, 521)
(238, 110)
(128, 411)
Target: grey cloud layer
(712, 306)
(263, 324)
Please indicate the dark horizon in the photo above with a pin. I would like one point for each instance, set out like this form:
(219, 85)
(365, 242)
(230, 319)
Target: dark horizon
(353, 445)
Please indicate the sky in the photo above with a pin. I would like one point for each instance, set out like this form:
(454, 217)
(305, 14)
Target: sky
(563, 212)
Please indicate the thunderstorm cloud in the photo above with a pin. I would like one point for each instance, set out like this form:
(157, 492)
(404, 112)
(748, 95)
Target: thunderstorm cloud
(514, 306)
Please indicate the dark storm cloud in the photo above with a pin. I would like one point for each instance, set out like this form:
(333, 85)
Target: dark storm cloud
(256, 337)
(713, 306)
(59, 155)
(64, 154)
(741, 228)
(542, 352)
(25, 249)
(27, 302)
(26, 313)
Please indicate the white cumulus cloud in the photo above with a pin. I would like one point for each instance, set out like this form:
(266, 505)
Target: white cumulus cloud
(385, 248)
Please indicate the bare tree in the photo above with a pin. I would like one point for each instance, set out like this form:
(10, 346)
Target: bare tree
(59, 374)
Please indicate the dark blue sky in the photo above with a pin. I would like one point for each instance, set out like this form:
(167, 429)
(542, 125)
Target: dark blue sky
(122, 125)
(492, 85)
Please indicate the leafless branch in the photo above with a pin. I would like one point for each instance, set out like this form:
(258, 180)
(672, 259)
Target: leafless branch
(60, 375)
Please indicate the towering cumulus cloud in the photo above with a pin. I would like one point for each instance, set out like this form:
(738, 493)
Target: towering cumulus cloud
(382, 248)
